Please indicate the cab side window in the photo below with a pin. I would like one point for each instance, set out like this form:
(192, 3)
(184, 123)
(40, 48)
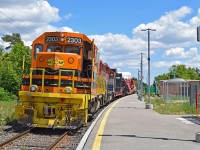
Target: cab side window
(37, 48)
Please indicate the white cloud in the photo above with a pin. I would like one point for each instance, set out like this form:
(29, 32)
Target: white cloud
(132, 64)
(163, 64)
(194, 62)
(171, 30)
(117, 47)
(29, 18)
(68, 16)
(179, 52)
(195, 21)
(36, 11)
(117, 42)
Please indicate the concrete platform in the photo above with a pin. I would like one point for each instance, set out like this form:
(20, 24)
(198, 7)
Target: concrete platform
(128, 125)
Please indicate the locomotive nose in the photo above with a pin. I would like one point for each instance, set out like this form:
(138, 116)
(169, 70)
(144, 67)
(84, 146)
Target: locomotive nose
(56, 61)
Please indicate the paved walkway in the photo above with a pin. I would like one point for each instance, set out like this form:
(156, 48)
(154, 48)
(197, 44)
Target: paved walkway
(129, 126)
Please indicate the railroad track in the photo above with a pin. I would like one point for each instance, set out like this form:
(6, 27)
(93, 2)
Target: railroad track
(58, 142)
(42, 139)
(18, 137)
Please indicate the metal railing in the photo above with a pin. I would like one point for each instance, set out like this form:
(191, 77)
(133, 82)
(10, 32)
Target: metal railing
(59, 77)
(31, 76)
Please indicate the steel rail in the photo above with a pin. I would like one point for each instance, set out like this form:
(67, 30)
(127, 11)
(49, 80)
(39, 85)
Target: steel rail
(58, 141)
(8, 142)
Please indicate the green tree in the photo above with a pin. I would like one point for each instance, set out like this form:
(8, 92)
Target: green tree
(164, 76)
(1, 51)
(197, 74)
(11, 64)
(16, 56)
(133, 78)
(12, 39)
(9, 80)
(181, 72)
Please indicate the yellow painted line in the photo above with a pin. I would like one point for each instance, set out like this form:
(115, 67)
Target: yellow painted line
(97, 142)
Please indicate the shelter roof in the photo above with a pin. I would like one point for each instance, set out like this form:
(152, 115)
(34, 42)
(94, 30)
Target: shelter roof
(176, 80)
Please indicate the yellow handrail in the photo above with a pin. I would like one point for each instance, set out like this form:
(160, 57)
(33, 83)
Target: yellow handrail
(73, 74)
(59, 80)
(43, 71)
(31, 76)
(59, 77)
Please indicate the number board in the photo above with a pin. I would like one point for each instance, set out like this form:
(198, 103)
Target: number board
(75, 40)
(51, 39)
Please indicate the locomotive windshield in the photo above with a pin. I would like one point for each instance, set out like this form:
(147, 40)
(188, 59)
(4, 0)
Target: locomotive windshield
(67, 49)
(54, 48)
(37, 48)
(72, 49)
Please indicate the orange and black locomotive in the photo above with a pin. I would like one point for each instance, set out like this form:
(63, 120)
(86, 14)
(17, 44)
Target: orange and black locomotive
(67, 82)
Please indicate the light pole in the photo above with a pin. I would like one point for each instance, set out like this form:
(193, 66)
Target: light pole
(148, 61)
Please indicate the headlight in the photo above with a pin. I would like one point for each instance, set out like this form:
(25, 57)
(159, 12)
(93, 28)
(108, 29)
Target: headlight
(68, 90)
(62, 35)
(62, 39)
(33, 88)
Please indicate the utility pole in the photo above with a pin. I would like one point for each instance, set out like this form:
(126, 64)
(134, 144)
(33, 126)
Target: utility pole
(138, 78)
(141, 77)
(148, 107)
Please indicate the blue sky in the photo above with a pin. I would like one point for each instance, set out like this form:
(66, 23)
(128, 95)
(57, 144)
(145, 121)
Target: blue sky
(120, 16)
(116, 28)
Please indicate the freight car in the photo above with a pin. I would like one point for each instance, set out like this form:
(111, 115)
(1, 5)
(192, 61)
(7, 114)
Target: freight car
(67, 82)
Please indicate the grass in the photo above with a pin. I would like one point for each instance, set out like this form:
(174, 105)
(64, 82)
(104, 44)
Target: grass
(174, 97)
(180, 108)
(7, 109)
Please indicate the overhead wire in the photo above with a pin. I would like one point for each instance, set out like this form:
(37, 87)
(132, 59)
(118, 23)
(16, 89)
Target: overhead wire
(9, 29)
(18, 26)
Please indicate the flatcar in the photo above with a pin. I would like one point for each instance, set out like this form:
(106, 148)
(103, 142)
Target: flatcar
(67, 82)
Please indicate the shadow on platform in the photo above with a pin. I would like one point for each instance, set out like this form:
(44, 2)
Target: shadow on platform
(148, 137)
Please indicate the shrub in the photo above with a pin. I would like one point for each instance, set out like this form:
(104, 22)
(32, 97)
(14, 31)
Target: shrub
(6, 96)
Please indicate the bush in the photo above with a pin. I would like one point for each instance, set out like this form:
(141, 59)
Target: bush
(7, 109)
(6, 96)
(152, 94)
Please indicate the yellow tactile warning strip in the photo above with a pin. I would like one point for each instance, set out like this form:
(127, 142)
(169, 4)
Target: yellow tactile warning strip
(97, 142)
